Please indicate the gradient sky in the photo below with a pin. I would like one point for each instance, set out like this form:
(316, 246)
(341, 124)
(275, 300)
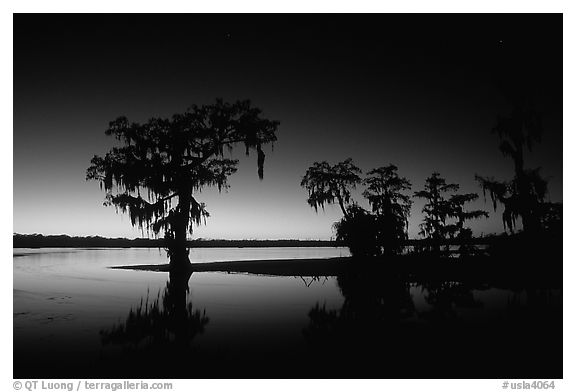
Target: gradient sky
(417, 91)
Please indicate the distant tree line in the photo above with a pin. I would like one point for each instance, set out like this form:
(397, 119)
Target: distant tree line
(65, 241)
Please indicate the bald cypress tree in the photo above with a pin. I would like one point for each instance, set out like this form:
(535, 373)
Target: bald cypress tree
(161, 165)
(386, 194)
(524, 195)
(436, 210)
(330, 184)
(445, 213)
(460, 214)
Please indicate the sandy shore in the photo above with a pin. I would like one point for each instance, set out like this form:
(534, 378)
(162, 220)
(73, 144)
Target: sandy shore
(282, 267)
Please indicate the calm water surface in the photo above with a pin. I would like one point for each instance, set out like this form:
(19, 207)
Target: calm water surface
(74, 317)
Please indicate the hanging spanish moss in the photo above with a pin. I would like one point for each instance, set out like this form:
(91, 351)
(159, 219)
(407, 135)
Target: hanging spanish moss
(524, 196)
(445, 215)
(328, 184)
(173, 159)
(385, 193)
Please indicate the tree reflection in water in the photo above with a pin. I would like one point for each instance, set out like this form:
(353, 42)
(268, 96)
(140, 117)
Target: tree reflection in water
(157, 335)
(444, 297)
(378, 331)
(353, 341)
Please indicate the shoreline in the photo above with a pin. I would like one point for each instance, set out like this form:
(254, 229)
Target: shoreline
(481, 270)
(278, 267)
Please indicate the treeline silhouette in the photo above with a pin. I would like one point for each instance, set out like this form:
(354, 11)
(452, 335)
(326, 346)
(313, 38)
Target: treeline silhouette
(65, 241)
(384, 229)
(524, 198)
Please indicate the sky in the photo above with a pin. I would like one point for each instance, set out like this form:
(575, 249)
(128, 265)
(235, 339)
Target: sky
(419, 91)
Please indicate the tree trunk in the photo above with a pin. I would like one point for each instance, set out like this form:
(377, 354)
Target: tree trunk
(342, 207)
(179, 248)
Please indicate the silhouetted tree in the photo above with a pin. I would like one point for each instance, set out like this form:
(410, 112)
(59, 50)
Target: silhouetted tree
(457, 211)
(328, 184)
(162, 164)
(440, 208)
(522, 195)
(436, 210)
(392, 207)
(359, 230)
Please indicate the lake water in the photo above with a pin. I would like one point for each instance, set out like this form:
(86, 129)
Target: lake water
(75, 317)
